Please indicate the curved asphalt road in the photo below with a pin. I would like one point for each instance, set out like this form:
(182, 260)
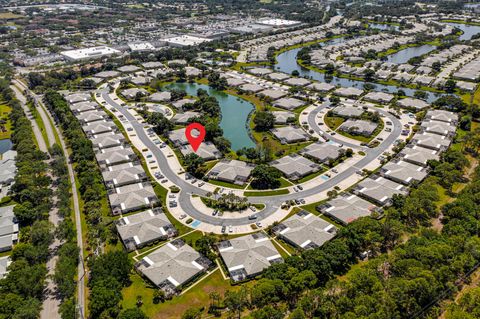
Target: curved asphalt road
(272, 203)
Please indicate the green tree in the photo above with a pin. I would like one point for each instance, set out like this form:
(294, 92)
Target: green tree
(264, 121)
(132, 313)
(265, 177)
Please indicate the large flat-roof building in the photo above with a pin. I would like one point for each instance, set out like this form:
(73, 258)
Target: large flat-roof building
(231, 171)
(247, 256)
(173, 265)
(294, 166)
(89, 53)
(139, 230)
(305, 230)
(347, 207)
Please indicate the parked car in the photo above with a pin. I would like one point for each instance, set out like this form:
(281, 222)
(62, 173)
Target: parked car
(230, 229)
(300, 187)
(224, 228)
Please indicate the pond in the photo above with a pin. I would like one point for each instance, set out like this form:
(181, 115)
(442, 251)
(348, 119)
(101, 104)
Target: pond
(235, 113)
(403, 56)
(287, 62)
(384, 26)
(5, 145)
(468, 30)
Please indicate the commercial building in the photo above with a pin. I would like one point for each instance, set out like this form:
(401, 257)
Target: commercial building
(139, 230)
(186, 40)
(89, 53)
(347, 207)
(247, 256)
(305, 230)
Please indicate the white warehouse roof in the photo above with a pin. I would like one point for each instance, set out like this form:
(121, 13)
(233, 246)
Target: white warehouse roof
(89, 53)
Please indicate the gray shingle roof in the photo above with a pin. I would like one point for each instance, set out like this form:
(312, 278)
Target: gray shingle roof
(248, 255)
(305, 230)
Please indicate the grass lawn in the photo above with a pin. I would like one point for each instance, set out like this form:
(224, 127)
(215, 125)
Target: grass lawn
(198, 296)
(279, 245)
(267, 193)
(333, 122)
(226, 184)
(9, 15)
(5, 129)
(311, 176)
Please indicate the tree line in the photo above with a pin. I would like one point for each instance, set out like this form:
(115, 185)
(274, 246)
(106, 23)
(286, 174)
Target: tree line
(411, 266)
(21, 290)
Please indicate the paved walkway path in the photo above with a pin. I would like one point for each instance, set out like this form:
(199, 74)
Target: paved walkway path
(52, 311)
(36, 130)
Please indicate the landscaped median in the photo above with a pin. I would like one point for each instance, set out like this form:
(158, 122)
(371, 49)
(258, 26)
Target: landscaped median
(282, 191)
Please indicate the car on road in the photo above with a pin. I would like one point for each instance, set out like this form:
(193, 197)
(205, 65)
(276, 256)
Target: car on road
(251, 217)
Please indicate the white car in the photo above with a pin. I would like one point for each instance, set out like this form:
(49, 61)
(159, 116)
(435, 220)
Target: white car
(230, 229)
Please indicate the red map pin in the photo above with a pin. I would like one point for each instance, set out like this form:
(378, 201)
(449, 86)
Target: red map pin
(195, 133)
